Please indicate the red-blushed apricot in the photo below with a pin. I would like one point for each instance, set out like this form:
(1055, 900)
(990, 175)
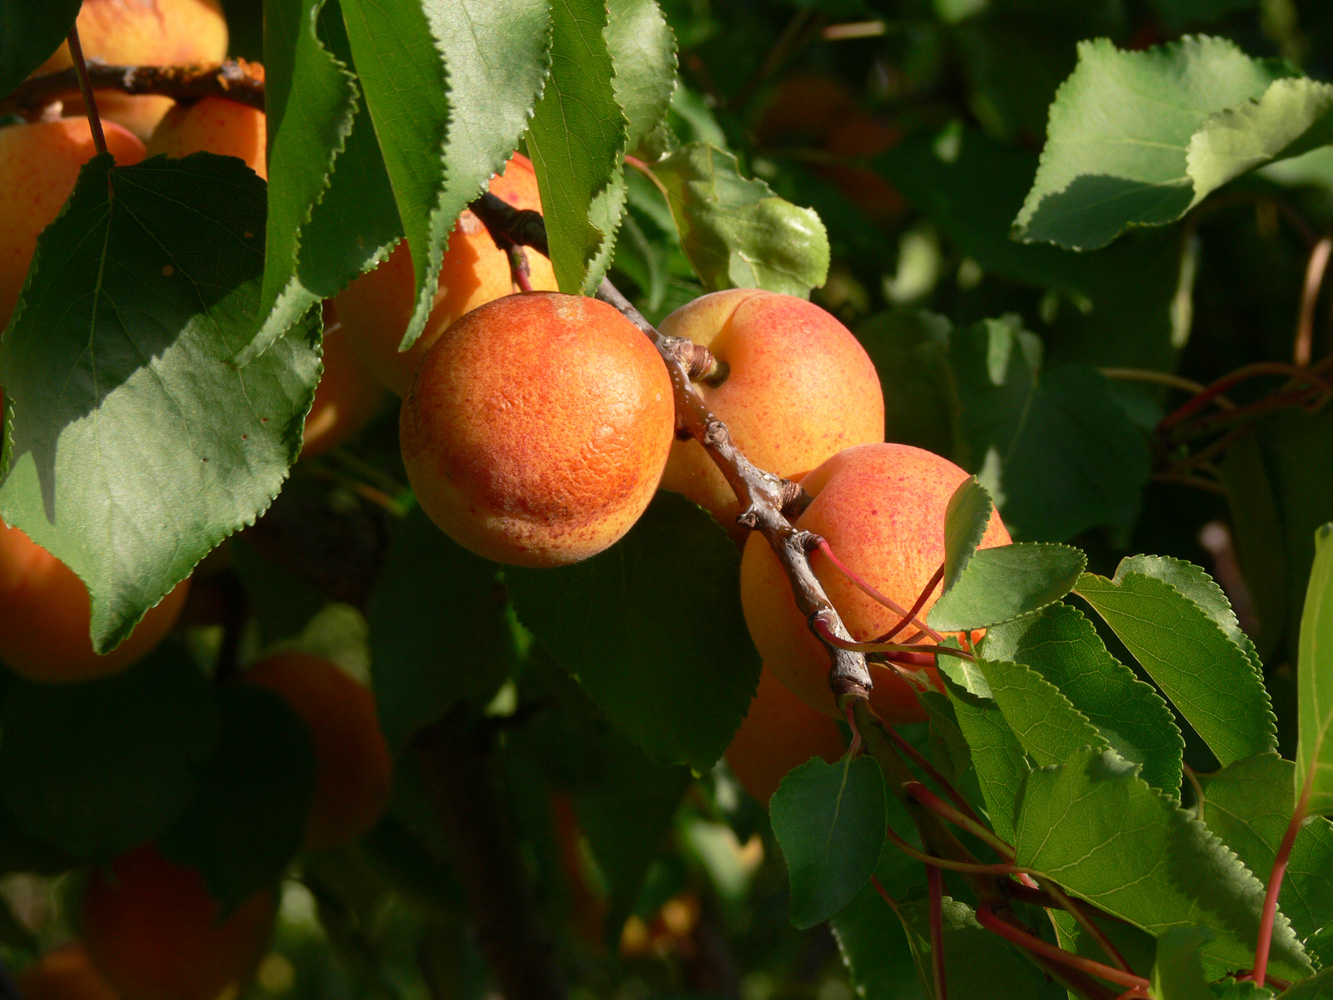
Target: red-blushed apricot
(45, 614)
(63, 974)
(39, 163)
(143, 33)
(214, 125)
(353, 767)
(881, 509)
(779, 732)
(154, 932)
(537, 428)
(348, 396)
(377, 307)
(800, 389)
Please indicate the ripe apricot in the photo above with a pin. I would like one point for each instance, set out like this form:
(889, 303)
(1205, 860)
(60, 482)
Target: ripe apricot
(537, 428)
(779, 732)
(143, 33)
(347, 396)
(39, 164)
(63, 974)
(800, 389)
(377, 307)
(155, 933)
(353, 768)
(214, 125)
(881, 509)
(45, 614)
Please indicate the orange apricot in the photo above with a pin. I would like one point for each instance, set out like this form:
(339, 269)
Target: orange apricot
(800, 388)
(353, 767)
(214, 125)
(377, 307)
(881, 509)
(779, 732)
(39, 163)
(63, 974)
(143, 33)
(155, 933)
(45, 614)
(537, 428)
(347, 397)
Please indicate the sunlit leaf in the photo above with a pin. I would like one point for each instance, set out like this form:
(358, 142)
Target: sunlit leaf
(1314, 752)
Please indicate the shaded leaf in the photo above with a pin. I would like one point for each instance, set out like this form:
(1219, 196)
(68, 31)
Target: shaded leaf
(1258, 532)
(977, 963)
(1317, 987)
(880, 964)
(996, 753)
(1006, 582)
(29, 34)
(1314, 670)
(1178, 972)
(921, 410)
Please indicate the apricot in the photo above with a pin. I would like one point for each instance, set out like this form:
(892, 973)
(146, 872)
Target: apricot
(353, 767)
(800, 389)
(779, 732)
(881, 509)
(39, 164)
(63, 974)
(143, 33)
(214, 125)
(347, 397)
(377, 307)
(46, 614)
(154, 932)
(537, 428)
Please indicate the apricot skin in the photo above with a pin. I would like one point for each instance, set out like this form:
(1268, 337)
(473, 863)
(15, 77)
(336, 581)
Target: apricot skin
(63, 974)
(537, 428)
(215, 125)
(377, 307)
(45, 613)
(347, 396)
(881, 509)
(800, 389)
(39, 164)
(143, 33)
(779, 732)
(353, 767)
(155, 933)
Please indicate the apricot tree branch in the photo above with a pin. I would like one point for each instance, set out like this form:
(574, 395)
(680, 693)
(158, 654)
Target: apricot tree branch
(235, 79)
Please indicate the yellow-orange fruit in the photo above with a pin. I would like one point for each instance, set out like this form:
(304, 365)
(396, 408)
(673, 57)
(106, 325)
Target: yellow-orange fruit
(214, 125)
(143, 33)
(799, 390)
(39, 164)
(155, 933)
(377, 307)
(537, 428)
(353, 767)
(347, 396)
(63, 974)
(45, 613)
(779, 732)
(881, 508)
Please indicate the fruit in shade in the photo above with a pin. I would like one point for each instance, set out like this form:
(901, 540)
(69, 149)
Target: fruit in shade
(214, 125)
(353, 767)
(46, 615)
(154, 932)
(143, 33)
(800, 388)
(63, 974)
(779, 732)
(537, 428)
(39, 164)
(347, 397)
(881, 508)
(377, 307)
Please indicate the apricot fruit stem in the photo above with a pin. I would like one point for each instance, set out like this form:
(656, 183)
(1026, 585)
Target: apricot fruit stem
(935, 886)
(234, 79)
(518, 267)
(870, 591)
(929, 768)
(86, 89)
(915, 610)
(1269, 913)
(954, 866)
(988, 916)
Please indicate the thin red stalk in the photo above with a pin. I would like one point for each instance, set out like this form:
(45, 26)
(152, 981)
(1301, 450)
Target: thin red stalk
(916, 608)
(930, 861)
(1226, 382)
(884, 893)
(989, 919)
(86, 88)
(1303, 345)
(930, 769)
(1269, 914)
(519, 269)
(935, 882)
(886, 647)
(647, 171)
(867, 589)
(940, 808)
(1085, 921)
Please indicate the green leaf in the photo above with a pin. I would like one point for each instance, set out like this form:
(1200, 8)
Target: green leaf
(582, 183)
(921, 410)
(879, 961)
(423, 663)
(1119, 146)
(1063, 646)
(1178, 972)
(157, 447)
(829, 821)
(1260, 539)
(1314, 670)
(965, 521)
(1031, 433)
(29, 34)
(1198, 666)
(643, 49)
(1317, 987)
(1178, 14)
(997, 755)
(977, 963)
(1047, 725)
(1006, 582)
(679, 693)
(1248, 805)
(97, 767)
(248, 817)
(1104, 834)
(402, 74)
(736, 232)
